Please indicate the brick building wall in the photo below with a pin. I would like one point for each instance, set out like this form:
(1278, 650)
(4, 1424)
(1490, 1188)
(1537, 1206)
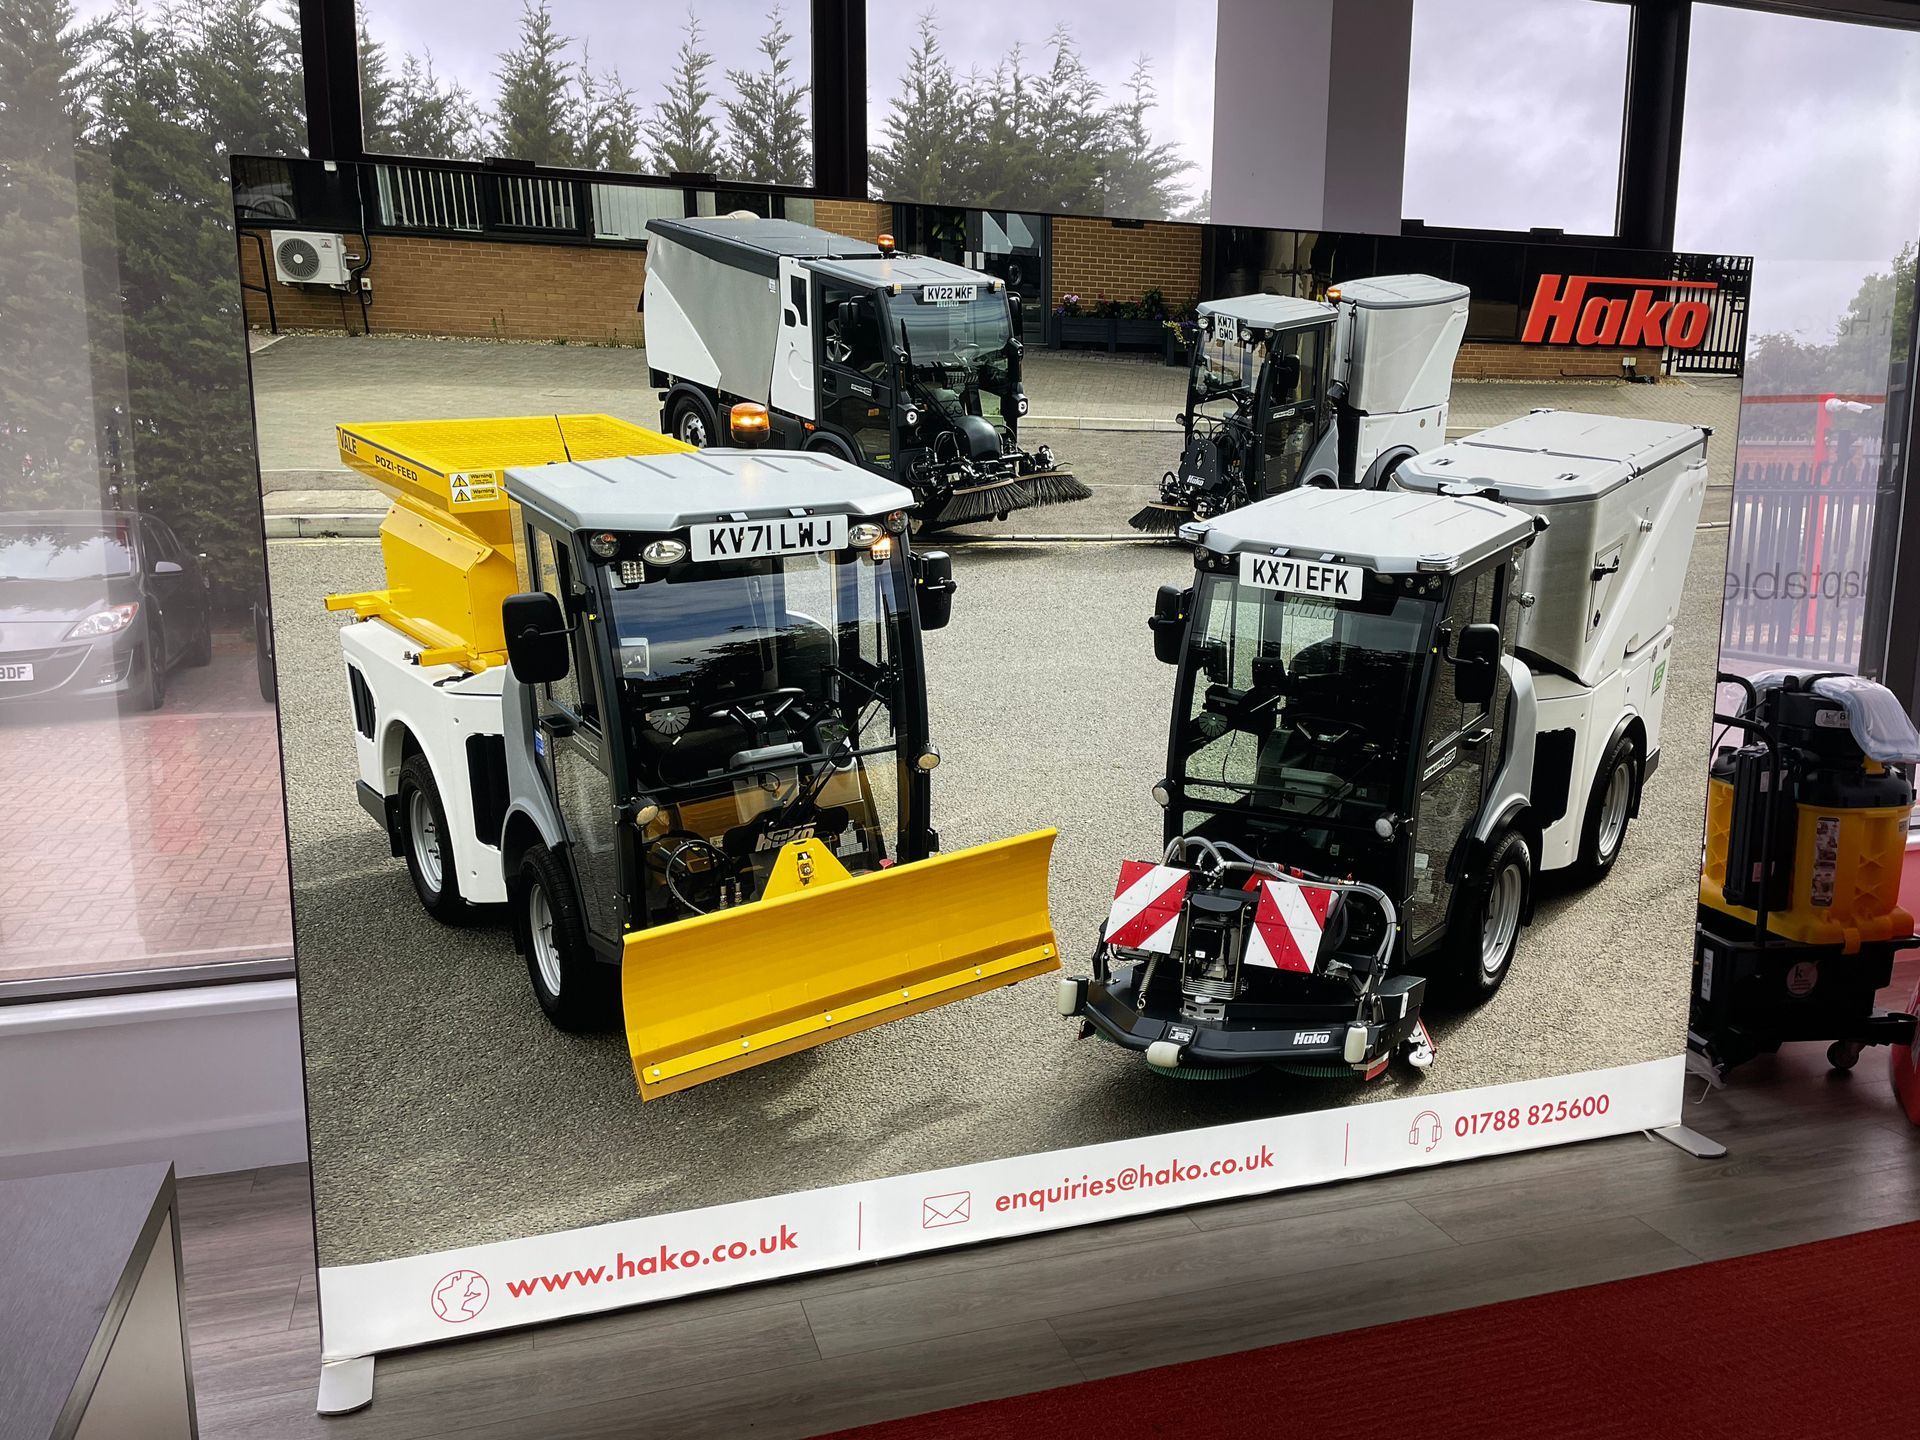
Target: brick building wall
(1480, 360)
(862, 219)
(1098, 260)
(478, 288)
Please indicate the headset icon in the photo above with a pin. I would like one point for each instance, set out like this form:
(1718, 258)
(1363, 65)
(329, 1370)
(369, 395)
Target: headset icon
(1421, 1134)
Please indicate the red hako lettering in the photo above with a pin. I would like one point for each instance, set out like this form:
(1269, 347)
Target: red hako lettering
(1564, 313)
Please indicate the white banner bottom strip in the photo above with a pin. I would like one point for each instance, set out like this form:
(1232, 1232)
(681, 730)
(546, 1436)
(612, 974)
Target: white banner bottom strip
(421, 1299)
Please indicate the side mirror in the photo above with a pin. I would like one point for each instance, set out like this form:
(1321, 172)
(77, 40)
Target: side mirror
(1016, 319)
(168, 567)
(844, 315)
(933, 588)
(1476, 657)
(1169, 622)
(536, 637)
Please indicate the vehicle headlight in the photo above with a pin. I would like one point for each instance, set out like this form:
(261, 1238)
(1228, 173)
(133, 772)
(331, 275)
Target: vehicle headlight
(605, 545)
(910, 416)
(1162, 796)
(665, 552)
(897, 521)
(862, 536)
(1020, 405)
(645, 813)
(927, 759)
(110, 621)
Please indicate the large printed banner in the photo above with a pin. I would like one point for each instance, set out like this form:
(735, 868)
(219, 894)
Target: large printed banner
(468, 1290)
(949, 899)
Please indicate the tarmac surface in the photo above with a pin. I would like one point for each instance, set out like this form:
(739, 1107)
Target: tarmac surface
(1110, 419)
(445, 1111)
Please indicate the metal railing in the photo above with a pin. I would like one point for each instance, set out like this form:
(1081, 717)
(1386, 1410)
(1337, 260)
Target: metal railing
(1799, 556)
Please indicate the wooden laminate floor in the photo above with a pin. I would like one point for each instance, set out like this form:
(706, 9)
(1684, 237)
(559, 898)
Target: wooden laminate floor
(1812, 1156)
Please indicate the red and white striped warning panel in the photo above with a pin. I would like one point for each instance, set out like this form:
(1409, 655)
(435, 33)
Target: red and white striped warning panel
(1287, 926)
(1146, 906)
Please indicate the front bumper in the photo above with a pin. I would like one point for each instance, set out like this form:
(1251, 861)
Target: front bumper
(1305, 1034)
(74, 669)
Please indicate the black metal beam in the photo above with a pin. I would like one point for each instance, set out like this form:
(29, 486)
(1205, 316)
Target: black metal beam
(1650, 138)
(330, 56)
(1890, 644)
(840, 97)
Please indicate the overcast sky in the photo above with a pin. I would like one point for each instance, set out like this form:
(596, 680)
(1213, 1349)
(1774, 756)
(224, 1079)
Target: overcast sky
(1801, 135)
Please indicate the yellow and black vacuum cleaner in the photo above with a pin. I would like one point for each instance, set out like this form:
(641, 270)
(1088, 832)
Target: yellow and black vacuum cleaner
(1799, 916)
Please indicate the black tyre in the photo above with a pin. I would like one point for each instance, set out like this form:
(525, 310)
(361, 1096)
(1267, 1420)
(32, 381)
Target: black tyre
(200, 651)
(1616, 784)
(1489, 913)
(690, 419)
(822, 443)
(149, 689)
(576, 991)
(263, 654)
(428, 844)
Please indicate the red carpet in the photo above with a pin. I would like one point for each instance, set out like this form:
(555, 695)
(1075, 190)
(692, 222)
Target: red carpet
(1812, 1341)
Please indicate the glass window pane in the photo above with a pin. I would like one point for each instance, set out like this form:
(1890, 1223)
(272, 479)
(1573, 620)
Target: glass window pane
(1514, 114)
(1087, 109)
(652, 88)
(1826, 197)
(137, 733)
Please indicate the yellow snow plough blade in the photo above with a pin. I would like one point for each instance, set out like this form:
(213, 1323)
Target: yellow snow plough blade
(823, 954)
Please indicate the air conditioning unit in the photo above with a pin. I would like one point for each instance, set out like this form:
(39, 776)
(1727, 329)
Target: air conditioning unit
(308, 257)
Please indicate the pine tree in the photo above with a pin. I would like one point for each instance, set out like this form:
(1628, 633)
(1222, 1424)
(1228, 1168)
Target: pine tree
(1142, 177)
(537, 116)
(242, 75)
(768, 135)
(927, 132)
(189, 423)
(1072, 139)
(609, 120)
(379, 94)
(51, 364)
(432, 116)
(683, 136)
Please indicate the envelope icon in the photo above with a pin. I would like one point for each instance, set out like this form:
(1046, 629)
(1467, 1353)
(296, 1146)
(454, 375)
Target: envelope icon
(954, 1209)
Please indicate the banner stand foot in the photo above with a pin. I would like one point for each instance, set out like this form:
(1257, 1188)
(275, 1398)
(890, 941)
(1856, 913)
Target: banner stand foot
(1689, 1140)
(345, 1385)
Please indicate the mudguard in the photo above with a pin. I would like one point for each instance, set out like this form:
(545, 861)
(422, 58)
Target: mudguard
(824, 954)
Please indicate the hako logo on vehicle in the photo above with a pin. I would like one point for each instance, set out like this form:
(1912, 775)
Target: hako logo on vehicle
(1656, 313)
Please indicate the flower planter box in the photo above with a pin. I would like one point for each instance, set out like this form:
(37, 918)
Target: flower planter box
(1083, 330)
(1137, 334)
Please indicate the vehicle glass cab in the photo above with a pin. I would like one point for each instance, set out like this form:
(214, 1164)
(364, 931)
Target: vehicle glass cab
(1260, 395)
(1353, 731)
(960, 353)
(749, 702)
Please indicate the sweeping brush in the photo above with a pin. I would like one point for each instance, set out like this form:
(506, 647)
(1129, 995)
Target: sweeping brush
(1055, 487)
(983, 502)
(1160, 518)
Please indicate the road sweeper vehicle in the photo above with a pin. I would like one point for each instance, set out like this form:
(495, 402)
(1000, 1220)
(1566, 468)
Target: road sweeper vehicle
(1394, 710)
(1800, 918)
(906, 365)
(669, 706)
(1284, 391)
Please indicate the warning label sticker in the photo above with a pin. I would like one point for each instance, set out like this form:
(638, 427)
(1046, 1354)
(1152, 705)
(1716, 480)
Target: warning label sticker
(472, 489)
(1826, 858)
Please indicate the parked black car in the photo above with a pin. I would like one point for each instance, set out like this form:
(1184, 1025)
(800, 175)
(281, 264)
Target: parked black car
(97, 603)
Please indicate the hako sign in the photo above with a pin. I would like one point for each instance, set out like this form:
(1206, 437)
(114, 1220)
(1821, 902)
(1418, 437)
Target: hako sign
(1565, 312)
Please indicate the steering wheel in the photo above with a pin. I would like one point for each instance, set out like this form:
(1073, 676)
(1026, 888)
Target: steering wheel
(756, 714)
(694, 869)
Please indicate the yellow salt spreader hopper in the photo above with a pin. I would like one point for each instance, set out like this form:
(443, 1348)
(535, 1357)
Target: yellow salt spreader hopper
(669, 708)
